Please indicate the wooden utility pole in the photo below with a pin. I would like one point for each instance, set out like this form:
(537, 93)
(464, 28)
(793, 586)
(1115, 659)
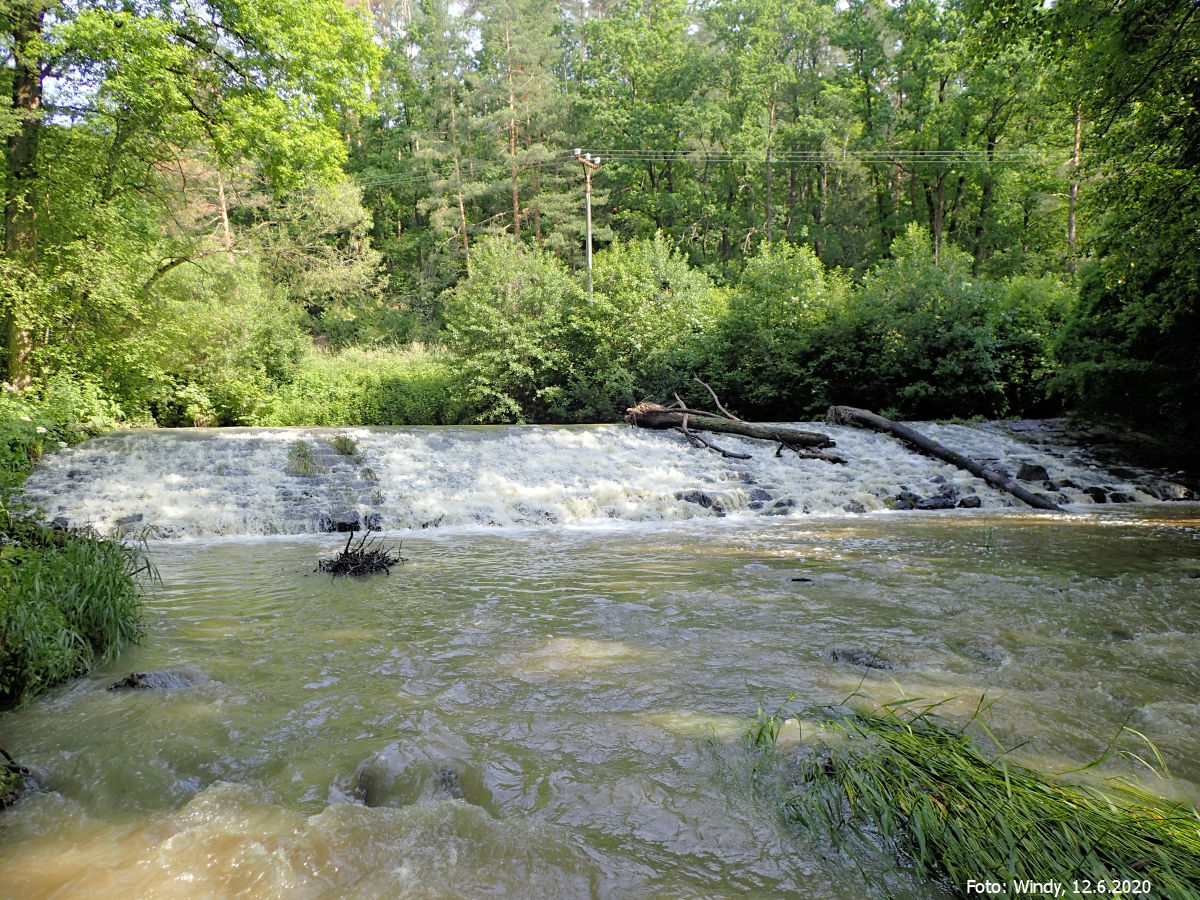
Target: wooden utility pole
(589, 166)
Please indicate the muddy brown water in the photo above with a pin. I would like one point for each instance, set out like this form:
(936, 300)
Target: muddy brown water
(560, 711)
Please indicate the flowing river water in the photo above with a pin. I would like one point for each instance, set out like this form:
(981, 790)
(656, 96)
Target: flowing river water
(550, 697)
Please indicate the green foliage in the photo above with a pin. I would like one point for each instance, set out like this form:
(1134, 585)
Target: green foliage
(367, 387)
(516, 325)
(66, 601)
(10, 783)
(649, 312)
(347, 446)
(924, 342)
(763, 735)
(768, 357)
(531, 348)
(63, 411)
(960, 814)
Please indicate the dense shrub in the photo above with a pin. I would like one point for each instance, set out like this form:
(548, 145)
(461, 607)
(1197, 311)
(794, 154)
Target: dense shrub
(1130, 346)
(531, 347)
(63, 411)
(649, 312)
(367, 387)
(66, 601)
(768, 356)
(921, 337)
(928, 339)
(518, 325)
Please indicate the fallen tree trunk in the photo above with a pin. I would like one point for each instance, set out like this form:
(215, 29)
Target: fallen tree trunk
(681, 418)
(862, 418)
(651, 415)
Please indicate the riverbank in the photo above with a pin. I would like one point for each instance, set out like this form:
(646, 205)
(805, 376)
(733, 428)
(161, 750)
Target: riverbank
(67, 598)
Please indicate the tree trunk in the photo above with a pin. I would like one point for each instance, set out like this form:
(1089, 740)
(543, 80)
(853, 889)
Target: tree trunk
(20, 210)
(462, 209)
(861, 418)
(1074, 190)
(651, 415)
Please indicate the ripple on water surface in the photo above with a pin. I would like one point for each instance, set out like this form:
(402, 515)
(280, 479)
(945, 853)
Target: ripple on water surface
(559, 712)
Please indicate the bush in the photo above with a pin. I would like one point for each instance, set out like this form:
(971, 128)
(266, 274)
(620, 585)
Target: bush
(922, 342)
(650, 311)
(517, 325)
(367, 387)
(1129, 347)
(919, 338)
(66, 600)
(769, 355)
(531, 347)
(62, 411)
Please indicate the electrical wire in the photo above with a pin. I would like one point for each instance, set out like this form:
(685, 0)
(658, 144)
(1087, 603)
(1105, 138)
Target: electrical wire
(704, 155)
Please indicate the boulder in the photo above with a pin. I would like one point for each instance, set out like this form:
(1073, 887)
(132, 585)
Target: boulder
(158, 681)
(342, 520)
(404, 774)
(936, 503)
(1032, 472)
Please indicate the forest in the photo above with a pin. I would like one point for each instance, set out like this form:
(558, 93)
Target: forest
(237, 212)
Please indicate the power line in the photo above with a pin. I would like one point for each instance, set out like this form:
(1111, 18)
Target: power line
(708, 155)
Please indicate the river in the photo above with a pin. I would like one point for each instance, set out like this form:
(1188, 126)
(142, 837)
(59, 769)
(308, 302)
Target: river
(549, 698)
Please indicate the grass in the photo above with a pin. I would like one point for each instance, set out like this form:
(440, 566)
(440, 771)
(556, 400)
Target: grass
(67, 600)
(928, 792)
(347, 447)
(300, 461)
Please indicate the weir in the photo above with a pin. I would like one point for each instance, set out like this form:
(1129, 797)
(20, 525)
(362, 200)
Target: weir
(204, 483)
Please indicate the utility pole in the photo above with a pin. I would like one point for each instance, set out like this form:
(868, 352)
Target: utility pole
(589, 166)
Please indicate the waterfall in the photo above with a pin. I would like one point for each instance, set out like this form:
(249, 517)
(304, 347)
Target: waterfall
(244, 481)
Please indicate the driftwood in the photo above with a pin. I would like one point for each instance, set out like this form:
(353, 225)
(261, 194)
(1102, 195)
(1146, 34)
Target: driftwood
(366, 557)
(13, 768)
(862, 418)
(682, 418)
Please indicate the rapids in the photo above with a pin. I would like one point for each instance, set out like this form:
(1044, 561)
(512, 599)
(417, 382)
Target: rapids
(206, 482)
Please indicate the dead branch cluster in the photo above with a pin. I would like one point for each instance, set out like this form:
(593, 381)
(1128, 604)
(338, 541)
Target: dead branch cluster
(369, 556)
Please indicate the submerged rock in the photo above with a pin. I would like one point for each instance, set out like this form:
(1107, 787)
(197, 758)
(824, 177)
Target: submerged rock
(402, 775)
(938, 502)
(342, 520)
(157, 681)
(701, 499)
(856, 657)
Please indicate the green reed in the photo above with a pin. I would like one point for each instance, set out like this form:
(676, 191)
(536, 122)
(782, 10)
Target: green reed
(67, 600)
(347, 447)
(301, 462)
(929, 793)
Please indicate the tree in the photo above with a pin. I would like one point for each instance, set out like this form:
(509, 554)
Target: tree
(144, 83)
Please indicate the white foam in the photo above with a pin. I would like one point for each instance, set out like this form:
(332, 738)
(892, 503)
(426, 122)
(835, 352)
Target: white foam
(205, 483)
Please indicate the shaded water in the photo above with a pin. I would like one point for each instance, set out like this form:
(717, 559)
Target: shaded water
(558, 712)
